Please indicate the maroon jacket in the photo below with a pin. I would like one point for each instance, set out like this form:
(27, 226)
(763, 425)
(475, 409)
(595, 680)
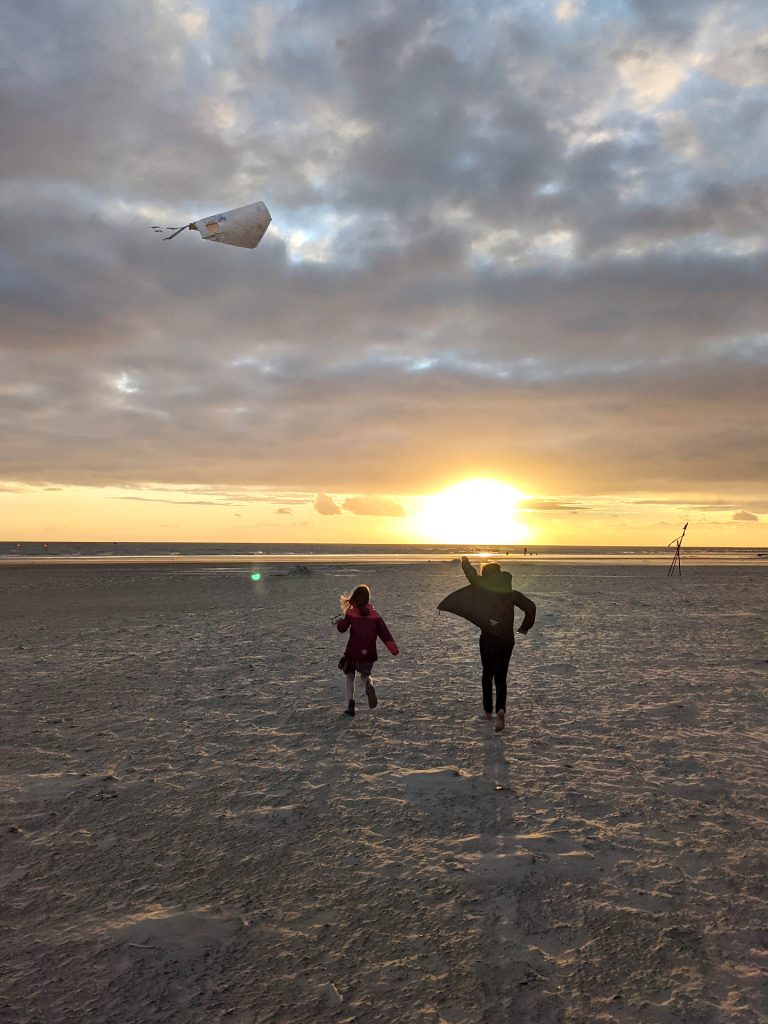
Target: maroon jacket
(365, 626)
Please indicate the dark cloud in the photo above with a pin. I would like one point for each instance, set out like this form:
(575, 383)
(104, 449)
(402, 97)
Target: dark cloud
(676, 23)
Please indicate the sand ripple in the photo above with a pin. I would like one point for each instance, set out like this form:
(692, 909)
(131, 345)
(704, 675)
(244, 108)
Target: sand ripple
(193, 832)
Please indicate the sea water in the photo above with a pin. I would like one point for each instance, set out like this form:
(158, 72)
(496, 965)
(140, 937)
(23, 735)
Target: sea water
(67, 551)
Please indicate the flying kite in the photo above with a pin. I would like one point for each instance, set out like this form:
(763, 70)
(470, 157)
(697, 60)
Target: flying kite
(244, 226)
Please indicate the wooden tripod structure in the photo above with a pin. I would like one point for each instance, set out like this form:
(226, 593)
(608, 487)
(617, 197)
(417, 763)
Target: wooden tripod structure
(678, 542)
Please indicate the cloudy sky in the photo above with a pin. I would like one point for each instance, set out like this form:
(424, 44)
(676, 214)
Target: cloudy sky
(521, 241)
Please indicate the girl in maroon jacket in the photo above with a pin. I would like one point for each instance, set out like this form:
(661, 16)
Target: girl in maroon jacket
(365, 625)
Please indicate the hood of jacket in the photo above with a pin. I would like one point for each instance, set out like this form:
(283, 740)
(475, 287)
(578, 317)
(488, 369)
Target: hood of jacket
(369, 612)
(496, 583)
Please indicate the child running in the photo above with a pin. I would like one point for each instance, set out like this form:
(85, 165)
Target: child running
(365, 625)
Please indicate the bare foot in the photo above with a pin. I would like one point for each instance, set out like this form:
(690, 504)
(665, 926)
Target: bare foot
(488, 717)
(500, 721)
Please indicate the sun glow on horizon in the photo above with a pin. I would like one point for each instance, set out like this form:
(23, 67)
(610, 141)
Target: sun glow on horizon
(481, 511)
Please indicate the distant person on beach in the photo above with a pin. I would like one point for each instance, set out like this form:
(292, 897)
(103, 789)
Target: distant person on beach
(364, 624)
(496, 651)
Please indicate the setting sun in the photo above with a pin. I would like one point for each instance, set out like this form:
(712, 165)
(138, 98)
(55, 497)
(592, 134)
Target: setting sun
(473, 512)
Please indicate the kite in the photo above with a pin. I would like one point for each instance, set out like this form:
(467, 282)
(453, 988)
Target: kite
(244, 226)
(492, 612)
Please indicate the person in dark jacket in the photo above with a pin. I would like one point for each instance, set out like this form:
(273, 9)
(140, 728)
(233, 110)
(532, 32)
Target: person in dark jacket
(365, 625)
(495, 650)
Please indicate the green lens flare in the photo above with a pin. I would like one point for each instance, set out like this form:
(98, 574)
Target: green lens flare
(256, 576)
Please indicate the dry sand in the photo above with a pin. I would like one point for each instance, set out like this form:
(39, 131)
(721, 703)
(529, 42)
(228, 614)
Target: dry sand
(193, 832)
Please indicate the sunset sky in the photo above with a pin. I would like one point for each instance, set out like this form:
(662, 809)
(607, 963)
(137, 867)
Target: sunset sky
(522, 244)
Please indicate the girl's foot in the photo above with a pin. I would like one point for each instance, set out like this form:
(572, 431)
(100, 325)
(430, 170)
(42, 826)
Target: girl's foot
(500, 721)
(370, 693)
(350, 710)
(488, 716)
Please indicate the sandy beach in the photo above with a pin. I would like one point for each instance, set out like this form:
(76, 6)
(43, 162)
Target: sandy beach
(192, 831)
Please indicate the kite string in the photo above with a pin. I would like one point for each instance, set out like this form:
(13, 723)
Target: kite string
(333, 592)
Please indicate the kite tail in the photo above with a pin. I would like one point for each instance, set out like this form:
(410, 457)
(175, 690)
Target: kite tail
(176, 231)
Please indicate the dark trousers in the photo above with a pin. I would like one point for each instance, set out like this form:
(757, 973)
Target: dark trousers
(495, 653)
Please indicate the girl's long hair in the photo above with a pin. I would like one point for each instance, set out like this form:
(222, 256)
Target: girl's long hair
(359, 598)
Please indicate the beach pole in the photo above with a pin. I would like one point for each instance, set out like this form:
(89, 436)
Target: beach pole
(678, 541)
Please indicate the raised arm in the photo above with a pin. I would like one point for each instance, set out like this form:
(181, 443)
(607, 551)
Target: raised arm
(526, 605)
(343, 623)
(469, 570)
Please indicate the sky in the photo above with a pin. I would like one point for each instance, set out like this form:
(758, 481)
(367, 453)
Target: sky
(522, 244)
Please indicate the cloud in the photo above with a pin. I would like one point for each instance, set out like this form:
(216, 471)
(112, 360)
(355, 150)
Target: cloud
(550, 505)
(567, 10)
(284, 512)
(373, 506)
(745, 517)
(326, 506)
(521, 240)
(168, 501)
